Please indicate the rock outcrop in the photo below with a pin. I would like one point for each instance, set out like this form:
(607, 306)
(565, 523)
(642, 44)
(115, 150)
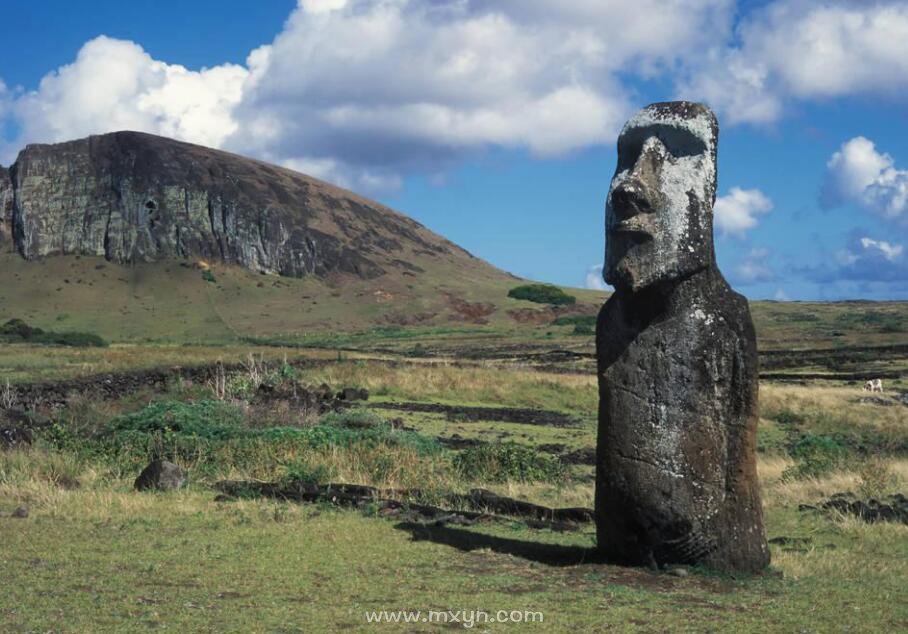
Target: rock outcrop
(160, 475)
(6, 208)
(134, 197)
(676, 479)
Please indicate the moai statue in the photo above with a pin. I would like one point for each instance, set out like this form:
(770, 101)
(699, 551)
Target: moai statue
(676, 479)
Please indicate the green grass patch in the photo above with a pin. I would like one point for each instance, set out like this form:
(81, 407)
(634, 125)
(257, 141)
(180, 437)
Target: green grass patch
(501, 462)
(815, 456)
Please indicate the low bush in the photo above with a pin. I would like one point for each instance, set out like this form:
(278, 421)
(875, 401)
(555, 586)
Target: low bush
(815, 455)
(17, 331)
(499, 462)
(542, 294)
(210, 420)
(576, 320)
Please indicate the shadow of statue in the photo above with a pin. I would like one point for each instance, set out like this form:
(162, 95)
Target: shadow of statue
(466, 541)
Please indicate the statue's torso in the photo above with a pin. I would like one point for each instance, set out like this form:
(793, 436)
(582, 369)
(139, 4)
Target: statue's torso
(676, 396)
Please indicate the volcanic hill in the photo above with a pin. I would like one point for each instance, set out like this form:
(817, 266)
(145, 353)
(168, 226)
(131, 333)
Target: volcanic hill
(108, 234)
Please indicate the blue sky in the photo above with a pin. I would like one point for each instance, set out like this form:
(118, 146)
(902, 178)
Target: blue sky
(494, 123)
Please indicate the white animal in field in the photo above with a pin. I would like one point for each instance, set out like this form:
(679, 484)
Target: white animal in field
(873, 385)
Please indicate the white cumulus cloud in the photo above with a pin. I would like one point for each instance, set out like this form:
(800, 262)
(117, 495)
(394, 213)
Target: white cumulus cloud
(753, 268)
(858, 173)
(889, 251)
(738, 211)
(374, 88)
(801, 49)
(115, 85)
(594, 279)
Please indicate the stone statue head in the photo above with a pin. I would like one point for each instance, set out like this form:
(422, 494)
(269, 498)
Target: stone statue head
(658, 221)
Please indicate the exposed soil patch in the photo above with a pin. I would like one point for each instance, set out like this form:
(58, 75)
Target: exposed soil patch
(458, 442)
(836, 359)
(472, 312)
(537, 316)
(111, 386)
(459, 413)
(409, 319)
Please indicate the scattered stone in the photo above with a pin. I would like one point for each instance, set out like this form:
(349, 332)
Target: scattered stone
(584, 456)
(467, 414)
(353, 394)
(893, 508)
(458, 442)
(160, 475)
(678, 571)
(876, 400)
(677, 361)
(12, 437)
(786, 541)
(68, 483)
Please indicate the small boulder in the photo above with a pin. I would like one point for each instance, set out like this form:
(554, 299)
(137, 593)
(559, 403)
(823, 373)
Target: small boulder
(160, 475)
(12, 437)
(353, 394)
(21, 512)
(15, 429)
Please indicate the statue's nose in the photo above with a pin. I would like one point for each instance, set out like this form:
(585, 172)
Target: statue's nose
(648, 166)
(638, 193)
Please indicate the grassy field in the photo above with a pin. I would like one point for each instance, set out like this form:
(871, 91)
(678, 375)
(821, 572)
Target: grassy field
(468, 388)
(172, 303)
(93, 555)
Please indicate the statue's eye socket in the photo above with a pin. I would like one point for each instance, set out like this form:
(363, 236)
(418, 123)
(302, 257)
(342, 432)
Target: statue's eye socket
(628, 153)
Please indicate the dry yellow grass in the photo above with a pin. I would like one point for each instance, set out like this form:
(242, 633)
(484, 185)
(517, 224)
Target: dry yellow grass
(471, 385)
(832, 406)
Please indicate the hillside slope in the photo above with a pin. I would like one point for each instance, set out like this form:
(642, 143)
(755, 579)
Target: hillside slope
(131, 197)
(109, 233)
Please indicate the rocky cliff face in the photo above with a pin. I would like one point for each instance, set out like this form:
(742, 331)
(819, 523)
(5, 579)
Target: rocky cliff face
(6, 208)
(133, 197)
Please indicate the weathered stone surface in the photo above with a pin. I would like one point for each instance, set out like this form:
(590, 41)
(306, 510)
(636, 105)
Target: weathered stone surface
(6, 209)
(160, 475)
(676, 478)
(132, 197)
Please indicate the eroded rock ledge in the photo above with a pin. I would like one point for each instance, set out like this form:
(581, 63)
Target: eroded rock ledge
(133, 197)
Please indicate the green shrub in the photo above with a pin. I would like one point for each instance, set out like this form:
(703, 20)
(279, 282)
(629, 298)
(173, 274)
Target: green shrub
(72, 339)
(576, 320)
(17, 331)
(787, 417)
(815, 455)
(17, 328)
(208, 276)
(500, 462)
(772, 439)
(210, 420)
(354, 419)
(305, 473)
(542, 294)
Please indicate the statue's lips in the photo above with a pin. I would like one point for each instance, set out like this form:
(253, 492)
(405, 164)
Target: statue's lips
(640, 225)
